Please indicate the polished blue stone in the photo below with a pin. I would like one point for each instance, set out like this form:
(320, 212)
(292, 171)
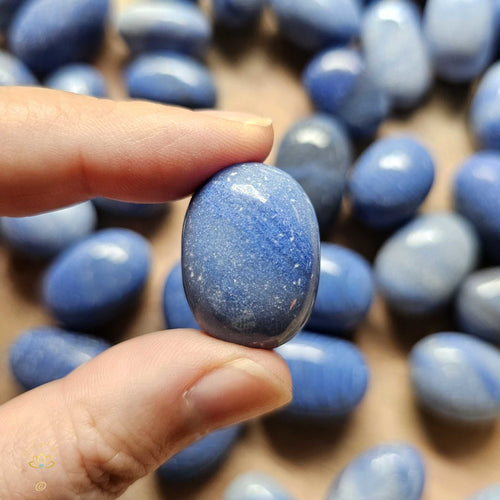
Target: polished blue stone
(41, 355)
(490, 493)
(201, 458)
(8, 9)
(156, 26)
(391, 471)
(390, 181)
(421, 266)
(45, 235)
(345, 291)
(79, 79)
(236, 14)
(128, 209)
(14, 72)
(256, 486)
(478, 305)
(172, 79)
(94, 280)
(460, 35)
(329, 377)
(47, 34)
(457, 376)
(477, 197)
(250, 255)
(395, 51)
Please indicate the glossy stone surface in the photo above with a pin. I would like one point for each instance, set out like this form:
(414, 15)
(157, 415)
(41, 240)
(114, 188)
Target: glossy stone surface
(14, 72)
(345, 291)
(390, 181)
(421, 266)
(126, 209)
(490, 493)
(91, 282)
(477, 197)
(317, 24)
(395, 51)
(235, 14)
(41, 355)
(45, 235)
(47, 34)
(172, 79)
(256, 486)
(156, 26)
(329, 377)
(201, 458)
(460, 35)
(8, 9)
(79, 79)
(250, 255)
(478, 305)
(457, 376)
(392, 471)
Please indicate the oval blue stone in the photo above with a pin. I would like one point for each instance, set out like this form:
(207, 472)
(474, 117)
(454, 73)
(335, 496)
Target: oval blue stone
(250, 255)
(128, 209)
(256, 486)
(79, 79)
(490, 493)
(237, 14)
(14, 72)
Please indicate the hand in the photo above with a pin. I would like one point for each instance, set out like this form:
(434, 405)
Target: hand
(122, 414)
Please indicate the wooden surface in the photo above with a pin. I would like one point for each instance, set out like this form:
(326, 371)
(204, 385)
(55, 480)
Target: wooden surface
(260, 74)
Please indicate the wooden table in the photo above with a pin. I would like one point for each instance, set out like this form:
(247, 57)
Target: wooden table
(261, 74)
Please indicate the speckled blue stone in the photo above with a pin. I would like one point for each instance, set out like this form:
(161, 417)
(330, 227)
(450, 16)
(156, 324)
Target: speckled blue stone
(390, 181)
(422, 265)
(490, 493)
(172, 79)
(176, 309)
(392, 471)
(14, 72)
(395, 51)
(329, 377)
(8, 9)
(156, 26)
(45, 235)
(256, 486)
(460, 35)
(250, 255)
(457, 376)
(237, 14)
(92, 281)
(478, 305)
(127, 209)
(79, 79)
(201, 458)
(41, 355)
(47, 34)
(477, 197)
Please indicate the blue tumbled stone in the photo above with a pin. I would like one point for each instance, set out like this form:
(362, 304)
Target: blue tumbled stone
(14, 72)
(477, 197)
(8, 9)
(392, 471)
(171, 79)
(129, 209)
(329, 377)
(41, 355)
(457, 376)
(92, 281)
(47, 34)
(201, 458)
(490, 493)
(250, 255)
(237, 14)
(256, 486)
(45, 235)
(390, 181)
(79, 79)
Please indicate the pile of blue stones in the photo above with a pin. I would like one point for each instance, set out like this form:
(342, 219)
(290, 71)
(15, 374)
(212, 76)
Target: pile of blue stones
(253, 269)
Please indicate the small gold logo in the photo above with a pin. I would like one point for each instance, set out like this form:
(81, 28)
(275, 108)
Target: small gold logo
(40, 486)
(41, 462)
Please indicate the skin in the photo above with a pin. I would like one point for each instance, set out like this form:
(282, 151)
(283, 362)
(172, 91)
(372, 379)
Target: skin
(60, 148)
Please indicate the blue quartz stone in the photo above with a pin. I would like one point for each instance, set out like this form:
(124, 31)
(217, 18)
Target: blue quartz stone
(176, 309)
(395, 51)
(14, 72)
(457, 376)
(79, 79)
(94, 280)
(477, 197)
(490, 493)
(460, 35)
(157, 26)
(392, 471)
(345, 291)
(250, 255)
(47, 34)
(172, 79)
(201, 458)
(128, 209)
(41, 355)
(8, 9)
(390, 181)
(45, 235)
(329, 377)
(237, 14)
(256, 486)
(478, 305)
(421, 266)
(317, 24)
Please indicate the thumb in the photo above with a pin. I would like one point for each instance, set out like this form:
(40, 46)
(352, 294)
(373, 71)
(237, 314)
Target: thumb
(122, 414)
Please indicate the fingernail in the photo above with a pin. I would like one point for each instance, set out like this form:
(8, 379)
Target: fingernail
(246, 118)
